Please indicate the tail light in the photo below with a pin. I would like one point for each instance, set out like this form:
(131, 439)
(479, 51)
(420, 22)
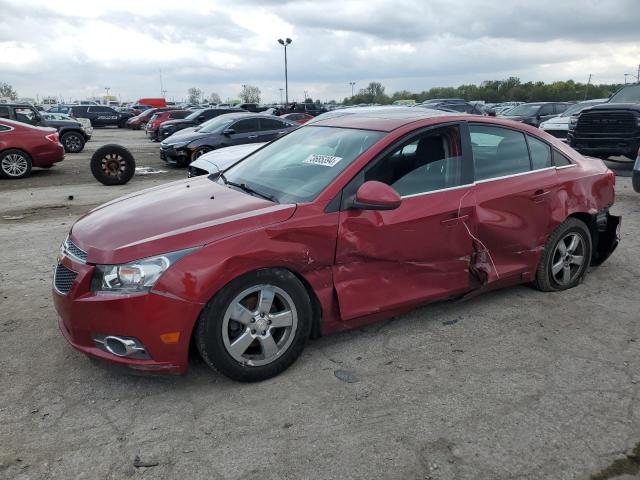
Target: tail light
(52, 137)
(612, 177)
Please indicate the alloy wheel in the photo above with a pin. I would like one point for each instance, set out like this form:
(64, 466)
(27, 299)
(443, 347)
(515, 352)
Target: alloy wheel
(73, 143)
(14, 165)
(568, 258)
(259, 325)
(113, 164)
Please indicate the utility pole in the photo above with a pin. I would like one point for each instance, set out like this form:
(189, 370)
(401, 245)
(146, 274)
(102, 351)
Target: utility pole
(586, 90)
(284, 43)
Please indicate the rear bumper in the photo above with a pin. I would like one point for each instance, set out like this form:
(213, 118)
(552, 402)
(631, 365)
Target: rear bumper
(49, 156)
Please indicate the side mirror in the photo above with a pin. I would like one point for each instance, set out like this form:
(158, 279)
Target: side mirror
(374, 195)
(538, 117)
(228, 132)
(201, 118)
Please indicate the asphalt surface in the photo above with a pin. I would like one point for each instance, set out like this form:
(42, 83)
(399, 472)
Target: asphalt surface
(516, 384)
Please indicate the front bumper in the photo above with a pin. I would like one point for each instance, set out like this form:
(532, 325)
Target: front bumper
(175, 156)
(604, 146)
(85, 315)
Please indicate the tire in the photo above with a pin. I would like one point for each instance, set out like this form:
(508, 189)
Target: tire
(635, 180)
(73, 142)
(559, 268)
(264, 350)
(113, 165)
(122, 123)
(197, 153)
(15, 164)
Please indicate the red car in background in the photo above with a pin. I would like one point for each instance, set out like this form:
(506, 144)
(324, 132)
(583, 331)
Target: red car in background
(300, 118)
(359, 215)
(158, 118)
(139, 121)
(23, 146)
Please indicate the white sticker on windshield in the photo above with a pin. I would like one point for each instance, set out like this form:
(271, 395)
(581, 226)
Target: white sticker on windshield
(324, 160)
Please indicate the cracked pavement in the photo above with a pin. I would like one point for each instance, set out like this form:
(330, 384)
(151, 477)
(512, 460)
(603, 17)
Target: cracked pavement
(515, 384)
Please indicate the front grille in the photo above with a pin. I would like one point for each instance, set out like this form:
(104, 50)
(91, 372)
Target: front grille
(63, 279)
(606, 122)
(74, 251)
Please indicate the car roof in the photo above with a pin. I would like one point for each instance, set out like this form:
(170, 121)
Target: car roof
(384, 119)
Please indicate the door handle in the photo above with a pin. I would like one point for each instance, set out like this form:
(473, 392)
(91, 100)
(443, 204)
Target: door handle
(449, 222)
(252, 136)
(539, 195)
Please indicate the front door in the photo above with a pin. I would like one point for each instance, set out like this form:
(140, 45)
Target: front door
(245, 131)
(421, 251)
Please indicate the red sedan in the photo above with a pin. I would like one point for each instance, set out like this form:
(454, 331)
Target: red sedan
(300, 118)
(357, 216)
(23, 146)
(158, 118)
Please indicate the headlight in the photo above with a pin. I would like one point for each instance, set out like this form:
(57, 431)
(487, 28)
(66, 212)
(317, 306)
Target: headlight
(573, 121)
(136, 276)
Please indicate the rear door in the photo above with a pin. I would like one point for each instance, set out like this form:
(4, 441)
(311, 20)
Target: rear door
(271, 128)
(421, 250)
(516, 187)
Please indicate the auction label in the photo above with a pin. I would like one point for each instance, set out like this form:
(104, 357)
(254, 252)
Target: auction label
(324, 160)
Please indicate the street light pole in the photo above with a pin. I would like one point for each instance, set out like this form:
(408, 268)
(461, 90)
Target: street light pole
(106, 100)
(352, 85)
(284, 43)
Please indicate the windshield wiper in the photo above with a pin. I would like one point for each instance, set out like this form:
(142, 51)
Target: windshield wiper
(248, 189)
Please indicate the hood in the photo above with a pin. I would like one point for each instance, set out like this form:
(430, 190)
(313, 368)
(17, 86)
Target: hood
(179, 121)
(514, 117)
(556, 121)
(63, 123)
(173, 138)
(223, 158)
(614, 106)
(170, 217)
(186, 135)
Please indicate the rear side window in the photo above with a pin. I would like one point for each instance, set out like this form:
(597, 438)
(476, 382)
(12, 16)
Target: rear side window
(540, 153)
(4, 128)
(559, 160)
(546, 110)
(269, 124)
(4, 112)
(561, 107)
(498, 152)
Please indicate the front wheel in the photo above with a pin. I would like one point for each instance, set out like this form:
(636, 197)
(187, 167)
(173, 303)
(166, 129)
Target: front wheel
(256, 326)
(566, 257)
(73, 142)
(199, 152)
(14, 164)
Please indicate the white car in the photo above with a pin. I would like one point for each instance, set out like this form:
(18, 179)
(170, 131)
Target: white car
(559, 126)
(221, 159)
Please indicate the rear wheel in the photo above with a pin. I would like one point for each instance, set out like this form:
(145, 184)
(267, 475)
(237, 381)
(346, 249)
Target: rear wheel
(566, 257)
(256, 326)
(15, 164)
(73, 142)
(113, 165)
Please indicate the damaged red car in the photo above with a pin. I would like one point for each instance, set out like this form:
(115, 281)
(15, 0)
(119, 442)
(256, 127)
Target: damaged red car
(357, 216)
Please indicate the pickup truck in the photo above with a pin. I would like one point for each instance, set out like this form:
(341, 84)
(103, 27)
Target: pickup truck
(73, 135)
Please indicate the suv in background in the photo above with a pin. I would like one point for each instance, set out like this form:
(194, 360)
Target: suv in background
(537, 112)
(100, 115)
(309, 108)
(196, 118)
(612, 128)
(71, 133)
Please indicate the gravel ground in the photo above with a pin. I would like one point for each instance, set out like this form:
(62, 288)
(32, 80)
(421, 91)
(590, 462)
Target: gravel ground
(515, 384)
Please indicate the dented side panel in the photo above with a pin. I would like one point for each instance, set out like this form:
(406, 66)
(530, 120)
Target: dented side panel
(418, 252)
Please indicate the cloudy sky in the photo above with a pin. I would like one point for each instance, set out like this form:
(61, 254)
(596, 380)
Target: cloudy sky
(76, 48)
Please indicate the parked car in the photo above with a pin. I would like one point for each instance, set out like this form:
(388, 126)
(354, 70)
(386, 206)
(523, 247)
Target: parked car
(299, 118)
(312, 109)
(223, 131)
(253, 107)
(535, 113)
(59, 109)
(86, 124)
(157, 119)
(559, 126)
(140, 121)
(23, 146)
(342, 222)
(635, 176)
(100, 115)
(221, 159)
(71, 133)
(612, 128)
(152, 102)
(193, 120)
(461, 107)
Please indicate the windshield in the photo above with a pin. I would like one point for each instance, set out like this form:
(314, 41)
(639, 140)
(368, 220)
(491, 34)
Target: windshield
(524, 110)
(629, 94)
(298, 166)
(216, 125)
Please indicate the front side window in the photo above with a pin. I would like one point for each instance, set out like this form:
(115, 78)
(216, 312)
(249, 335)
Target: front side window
(246, 126)
(432, 161)
(298, 166)
(25, 115)
(561, 107)
(498, 152)
(546, 110)
(540, 153)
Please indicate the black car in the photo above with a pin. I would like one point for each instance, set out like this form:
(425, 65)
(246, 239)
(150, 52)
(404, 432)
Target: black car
(611, 128)
(59, 109)
(100, 115)
(309, 108)
(448, 106)
(223, 131)
(193, 120)
(536, 113)
(72, 134)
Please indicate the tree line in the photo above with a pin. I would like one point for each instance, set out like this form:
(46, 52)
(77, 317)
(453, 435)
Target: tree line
(491, 91)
